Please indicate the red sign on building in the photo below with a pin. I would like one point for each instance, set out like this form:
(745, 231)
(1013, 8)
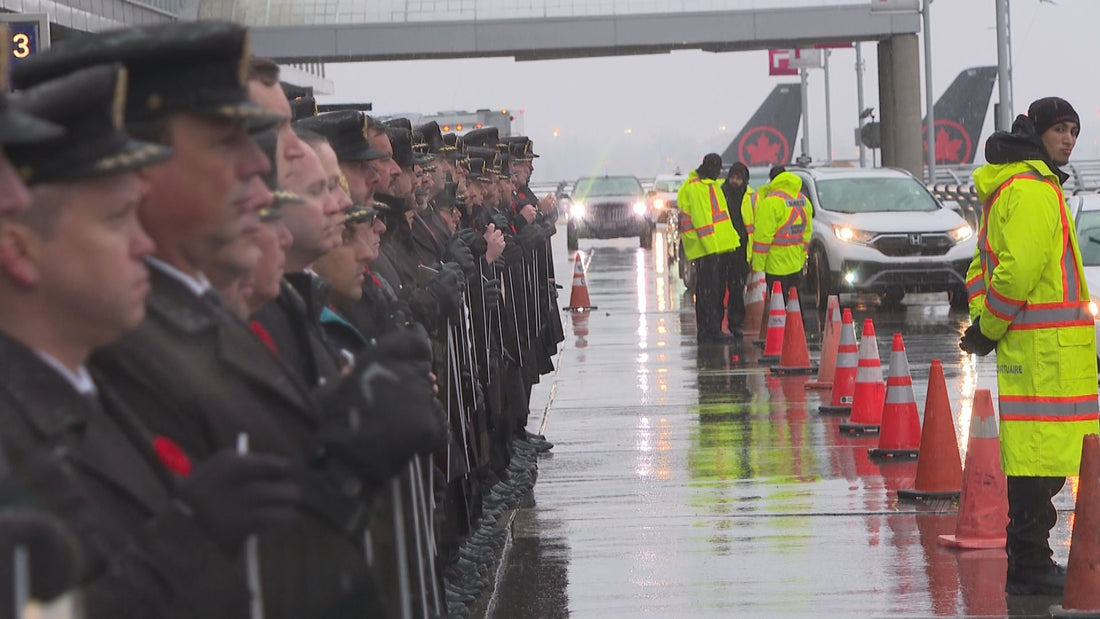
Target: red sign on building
(779, 61)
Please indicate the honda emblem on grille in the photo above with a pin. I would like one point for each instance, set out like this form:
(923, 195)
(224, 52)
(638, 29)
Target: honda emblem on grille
(915, 239)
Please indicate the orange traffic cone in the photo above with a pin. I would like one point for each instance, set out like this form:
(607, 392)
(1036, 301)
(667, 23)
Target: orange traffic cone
(900, 433)
(777, 321)
(762, 335)
(795, 357)
(939, 468)
(983, 503)
(870, 392)
(755, 292)
(830, 343)
(578, 298)
(1082, 593)
(844, 379)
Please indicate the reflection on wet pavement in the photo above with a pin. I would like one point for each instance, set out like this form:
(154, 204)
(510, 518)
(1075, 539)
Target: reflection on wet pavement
(687, 481)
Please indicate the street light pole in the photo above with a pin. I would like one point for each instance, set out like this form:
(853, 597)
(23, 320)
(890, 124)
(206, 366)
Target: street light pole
(929, 119)
(859, 103)
(1004, 67)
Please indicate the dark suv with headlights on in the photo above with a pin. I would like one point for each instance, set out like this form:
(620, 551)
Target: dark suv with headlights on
(881, 231)
(607, 207)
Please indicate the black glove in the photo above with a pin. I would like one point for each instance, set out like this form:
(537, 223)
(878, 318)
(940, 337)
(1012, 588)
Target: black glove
(235, 495)
(474, 241)
(446, 287)
(457, 252)
(390, 416)
(974, 342)
(493, 293)
(513, 250)
(56, 555)
(409, 343)
(502, 223)
(531, 236)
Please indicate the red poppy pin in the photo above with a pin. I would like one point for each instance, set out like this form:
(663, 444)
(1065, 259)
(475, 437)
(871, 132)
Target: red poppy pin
(172, 456)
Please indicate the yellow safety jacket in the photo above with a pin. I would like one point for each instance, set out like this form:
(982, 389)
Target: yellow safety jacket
(782, 226)
(705, 226)
(748, 214)
(1027, 285)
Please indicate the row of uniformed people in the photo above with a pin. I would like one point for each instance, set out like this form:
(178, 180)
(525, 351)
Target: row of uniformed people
(207, 377)
(728, 230)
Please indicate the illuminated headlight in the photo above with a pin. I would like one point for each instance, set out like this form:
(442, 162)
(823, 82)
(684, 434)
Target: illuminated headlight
(639, 208)
(962, 233)
(850, 277)
(659, 204)
(576, 210)
(851, 235)
(1094, 309)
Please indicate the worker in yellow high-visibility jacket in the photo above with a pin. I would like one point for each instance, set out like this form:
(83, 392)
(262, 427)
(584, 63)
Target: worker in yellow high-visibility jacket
(1029, 301)
(707, 234)
(782, 229)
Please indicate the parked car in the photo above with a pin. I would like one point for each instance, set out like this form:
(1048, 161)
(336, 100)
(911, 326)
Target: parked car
(1086, 214)
(881, 231)
(606, 207)
(662, 198)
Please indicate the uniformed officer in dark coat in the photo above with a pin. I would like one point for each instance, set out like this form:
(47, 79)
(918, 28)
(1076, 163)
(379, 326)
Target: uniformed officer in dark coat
(163, 533)
(192, 370)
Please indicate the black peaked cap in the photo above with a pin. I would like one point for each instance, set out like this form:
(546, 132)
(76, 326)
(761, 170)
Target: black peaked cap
(90, 105)
(199, 67)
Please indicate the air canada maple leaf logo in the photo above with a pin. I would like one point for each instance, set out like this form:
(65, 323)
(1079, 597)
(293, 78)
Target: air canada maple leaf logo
(953, 144)
(762, 146)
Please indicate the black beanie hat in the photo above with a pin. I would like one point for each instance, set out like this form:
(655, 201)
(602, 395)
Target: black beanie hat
(1049, 111)
(739, 169)
(711, 166)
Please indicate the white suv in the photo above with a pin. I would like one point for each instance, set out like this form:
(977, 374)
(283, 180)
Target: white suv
(880, 230)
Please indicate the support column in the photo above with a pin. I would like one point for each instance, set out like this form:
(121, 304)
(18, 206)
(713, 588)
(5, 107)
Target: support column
(886, 102)
(900, 99)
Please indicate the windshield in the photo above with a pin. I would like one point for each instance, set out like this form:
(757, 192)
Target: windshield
(606, 186)
(669, 186)
(871, 195)
(1088, 237)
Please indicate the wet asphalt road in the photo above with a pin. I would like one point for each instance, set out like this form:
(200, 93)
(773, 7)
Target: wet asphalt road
(686, 485)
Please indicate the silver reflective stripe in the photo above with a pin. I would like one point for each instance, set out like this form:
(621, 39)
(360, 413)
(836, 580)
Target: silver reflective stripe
(847, 360)
(1069, 408)
(984, 427)
(975, 287)
(1069, 266)
(900, 394)
(1000, 307)
(1051, 315)
(869, 374)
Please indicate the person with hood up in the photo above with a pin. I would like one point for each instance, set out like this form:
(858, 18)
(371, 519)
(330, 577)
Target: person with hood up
(1029, 301)
(782, 228)
(707, 235)
(739, 205)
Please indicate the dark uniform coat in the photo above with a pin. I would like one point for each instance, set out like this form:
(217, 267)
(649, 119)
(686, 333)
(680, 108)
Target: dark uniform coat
(194, 372)
(147, 559)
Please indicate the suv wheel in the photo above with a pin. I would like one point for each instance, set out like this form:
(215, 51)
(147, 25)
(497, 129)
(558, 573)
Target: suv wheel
(570, 236)
(687, 271)
(957, 298)
(892, 297)
(645, 239)
(820, 279)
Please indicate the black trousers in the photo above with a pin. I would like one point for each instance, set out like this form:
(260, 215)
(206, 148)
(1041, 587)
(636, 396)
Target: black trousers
(710, 287)
(1031, 516)
(736, 272)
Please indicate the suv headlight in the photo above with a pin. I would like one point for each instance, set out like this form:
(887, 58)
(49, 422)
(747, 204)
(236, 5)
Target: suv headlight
(639, 208)
(962, 233)
(576, 210)
(1094, 309)
(659, 203)
(851, 235)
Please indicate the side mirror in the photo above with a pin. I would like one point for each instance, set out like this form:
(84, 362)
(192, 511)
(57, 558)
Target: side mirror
(952, 205)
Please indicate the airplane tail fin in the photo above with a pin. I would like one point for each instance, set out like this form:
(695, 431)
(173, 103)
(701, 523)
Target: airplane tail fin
(769, 136)
(960, 113)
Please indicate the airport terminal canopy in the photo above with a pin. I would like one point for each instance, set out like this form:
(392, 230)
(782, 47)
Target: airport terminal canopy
(351, 30)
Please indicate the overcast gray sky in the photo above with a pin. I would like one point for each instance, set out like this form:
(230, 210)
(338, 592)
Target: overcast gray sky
(677, 104)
